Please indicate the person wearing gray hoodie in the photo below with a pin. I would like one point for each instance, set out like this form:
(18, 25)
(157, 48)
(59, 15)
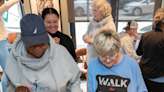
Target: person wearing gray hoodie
(102, 20)
(127, 44)
(36, 62)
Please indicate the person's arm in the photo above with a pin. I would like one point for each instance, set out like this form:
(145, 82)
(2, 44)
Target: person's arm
(72, 49)
(86, 37)
(141, 87)
(139, 49)
(6, 6)
(128, 47)
(90, 80)
(74, 83)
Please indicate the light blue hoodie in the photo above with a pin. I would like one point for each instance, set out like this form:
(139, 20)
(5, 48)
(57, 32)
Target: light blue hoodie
(55, 71)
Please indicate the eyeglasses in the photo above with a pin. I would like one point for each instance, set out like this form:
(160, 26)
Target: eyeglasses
(105, 58)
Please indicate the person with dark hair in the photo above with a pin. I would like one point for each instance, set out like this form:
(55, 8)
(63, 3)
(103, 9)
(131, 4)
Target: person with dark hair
(151, 47)
(51, 18)
(127, 44)
(38, 63)
(3, 38)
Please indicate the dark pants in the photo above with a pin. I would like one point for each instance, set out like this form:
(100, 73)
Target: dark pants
(154, 86)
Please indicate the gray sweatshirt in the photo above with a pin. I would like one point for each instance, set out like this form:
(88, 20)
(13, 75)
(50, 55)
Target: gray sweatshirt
(55, 71)
(93, 29)
(127, 45)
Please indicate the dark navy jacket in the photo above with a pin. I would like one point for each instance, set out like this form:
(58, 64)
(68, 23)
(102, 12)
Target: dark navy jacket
(151, 47)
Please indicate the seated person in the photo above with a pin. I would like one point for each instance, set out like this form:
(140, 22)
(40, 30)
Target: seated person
(127, 44)
(37, 62)
(113, 71)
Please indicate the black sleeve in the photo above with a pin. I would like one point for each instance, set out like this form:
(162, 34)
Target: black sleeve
(139, 49)
(68, 43)
(72, 50)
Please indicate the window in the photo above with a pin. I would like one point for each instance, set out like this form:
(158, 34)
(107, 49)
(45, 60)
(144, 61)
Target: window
(82, 9)
(123, 11)
(136, 9)
(12, 18)
(81, 28)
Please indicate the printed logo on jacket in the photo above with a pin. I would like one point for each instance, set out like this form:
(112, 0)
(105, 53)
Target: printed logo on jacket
(36, 86)
(112, 83)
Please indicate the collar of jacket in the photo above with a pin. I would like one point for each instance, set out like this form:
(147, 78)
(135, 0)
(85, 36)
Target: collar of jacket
(158, 29)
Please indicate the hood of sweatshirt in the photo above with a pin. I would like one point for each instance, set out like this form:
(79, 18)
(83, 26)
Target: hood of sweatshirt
(20, 53)
(55, 62)
(106, 23)
(103, 22)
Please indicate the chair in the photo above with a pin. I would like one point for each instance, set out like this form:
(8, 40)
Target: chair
(82, 66)
(12, 37)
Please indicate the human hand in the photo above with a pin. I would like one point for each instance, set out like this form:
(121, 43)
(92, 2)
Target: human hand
(87, 39)
(57, 40)
(136, 37)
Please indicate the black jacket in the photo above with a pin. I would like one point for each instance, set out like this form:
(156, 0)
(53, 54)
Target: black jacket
(66, 41)
(151, 47)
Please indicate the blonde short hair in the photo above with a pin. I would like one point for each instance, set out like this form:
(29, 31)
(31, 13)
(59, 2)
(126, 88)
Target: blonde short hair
(159, 17)
(107, 42)
(103, 7)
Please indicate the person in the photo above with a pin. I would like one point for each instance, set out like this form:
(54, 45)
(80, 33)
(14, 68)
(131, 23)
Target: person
(151, 47)
(37, 62)
(127, 44)
(3, 38)
(112, 71)
(51, 18)
(102, 20)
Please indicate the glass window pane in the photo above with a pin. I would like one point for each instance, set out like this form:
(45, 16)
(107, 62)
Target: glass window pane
(81, 9)
(12, 18)
(81, 29)
(136, 9)
(142, 27)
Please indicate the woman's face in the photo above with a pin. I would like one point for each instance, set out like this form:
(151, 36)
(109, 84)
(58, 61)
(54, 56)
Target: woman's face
(51, 23)
(109, 60)
(36, 51)
(97, 15)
